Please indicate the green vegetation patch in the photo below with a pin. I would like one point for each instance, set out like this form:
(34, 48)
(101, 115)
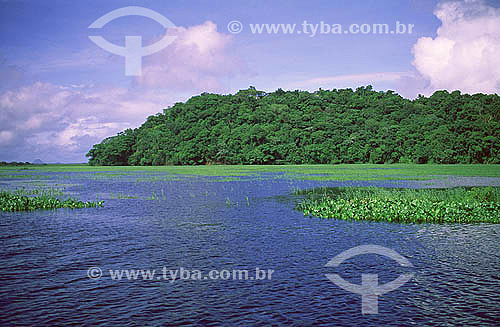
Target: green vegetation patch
(15, 201)
(341, 172)
(21, 176)
(455, 205)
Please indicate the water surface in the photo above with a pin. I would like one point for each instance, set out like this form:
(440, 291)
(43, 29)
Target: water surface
(198, 223)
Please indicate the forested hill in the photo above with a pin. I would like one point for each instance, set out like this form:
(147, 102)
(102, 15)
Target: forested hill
(296, 127)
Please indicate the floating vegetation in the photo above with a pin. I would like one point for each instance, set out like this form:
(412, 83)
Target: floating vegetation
(454, 205)
(22, 176)
(158, 197)
(156, 179)
(12, 201)
(225, 179)
(342, 172)
(51, 191)
(118, 196)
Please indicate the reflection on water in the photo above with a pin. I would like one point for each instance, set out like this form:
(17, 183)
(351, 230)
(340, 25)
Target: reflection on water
(200, 224)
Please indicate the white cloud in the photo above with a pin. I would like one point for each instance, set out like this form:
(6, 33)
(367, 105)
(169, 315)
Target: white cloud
(465, 54)
(197, 60)
(68, 137)
(53, 122)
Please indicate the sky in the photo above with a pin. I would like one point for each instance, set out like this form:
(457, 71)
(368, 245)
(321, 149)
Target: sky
(60, 92)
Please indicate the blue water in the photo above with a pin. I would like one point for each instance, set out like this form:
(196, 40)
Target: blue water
(200, 224)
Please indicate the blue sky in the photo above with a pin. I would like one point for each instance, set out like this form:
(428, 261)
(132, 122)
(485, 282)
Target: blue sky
(40, 35)
(61, 93)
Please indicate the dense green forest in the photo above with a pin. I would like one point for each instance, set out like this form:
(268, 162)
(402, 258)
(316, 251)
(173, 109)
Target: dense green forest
(298, 127)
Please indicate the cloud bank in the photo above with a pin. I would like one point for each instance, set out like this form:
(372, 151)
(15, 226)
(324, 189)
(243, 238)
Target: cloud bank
(52, 121)
(465, 54)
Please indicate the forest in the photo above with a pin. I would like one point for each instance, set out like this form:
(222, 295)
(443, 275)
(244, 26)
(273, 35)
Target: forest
(299, 127)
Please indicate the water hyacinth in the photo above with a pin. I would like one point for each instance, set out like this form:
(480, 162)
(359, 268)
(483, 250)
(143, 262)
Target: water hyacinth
(10, 201)
(459, 205)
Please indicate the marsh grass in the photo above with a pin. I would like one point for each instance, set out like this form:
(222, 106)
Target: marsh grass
(453, 205)
(50, 191)
(158, 197)
(16, 201)
(298, 172)
(121, 196)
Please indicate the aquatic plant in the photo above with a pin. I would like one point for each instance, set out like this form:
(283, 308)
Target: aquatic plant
(154, 196)
(342, 172)
(120, 196)
(9, 201)
(51, 191)
(157, 197)
(456, 205)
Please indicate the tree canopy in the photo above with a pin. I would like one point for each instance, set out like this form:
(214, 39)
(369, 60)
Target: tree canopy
(299, 127)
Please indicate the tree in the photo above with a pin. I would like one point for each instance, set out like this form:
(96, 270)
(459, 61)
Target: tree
(326, 126)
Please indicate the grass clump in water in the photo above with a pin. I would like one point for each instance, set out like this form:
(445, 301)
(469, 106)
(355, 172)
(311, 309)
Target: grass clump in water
(52, 191)
(14, 201)
(454, 205)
